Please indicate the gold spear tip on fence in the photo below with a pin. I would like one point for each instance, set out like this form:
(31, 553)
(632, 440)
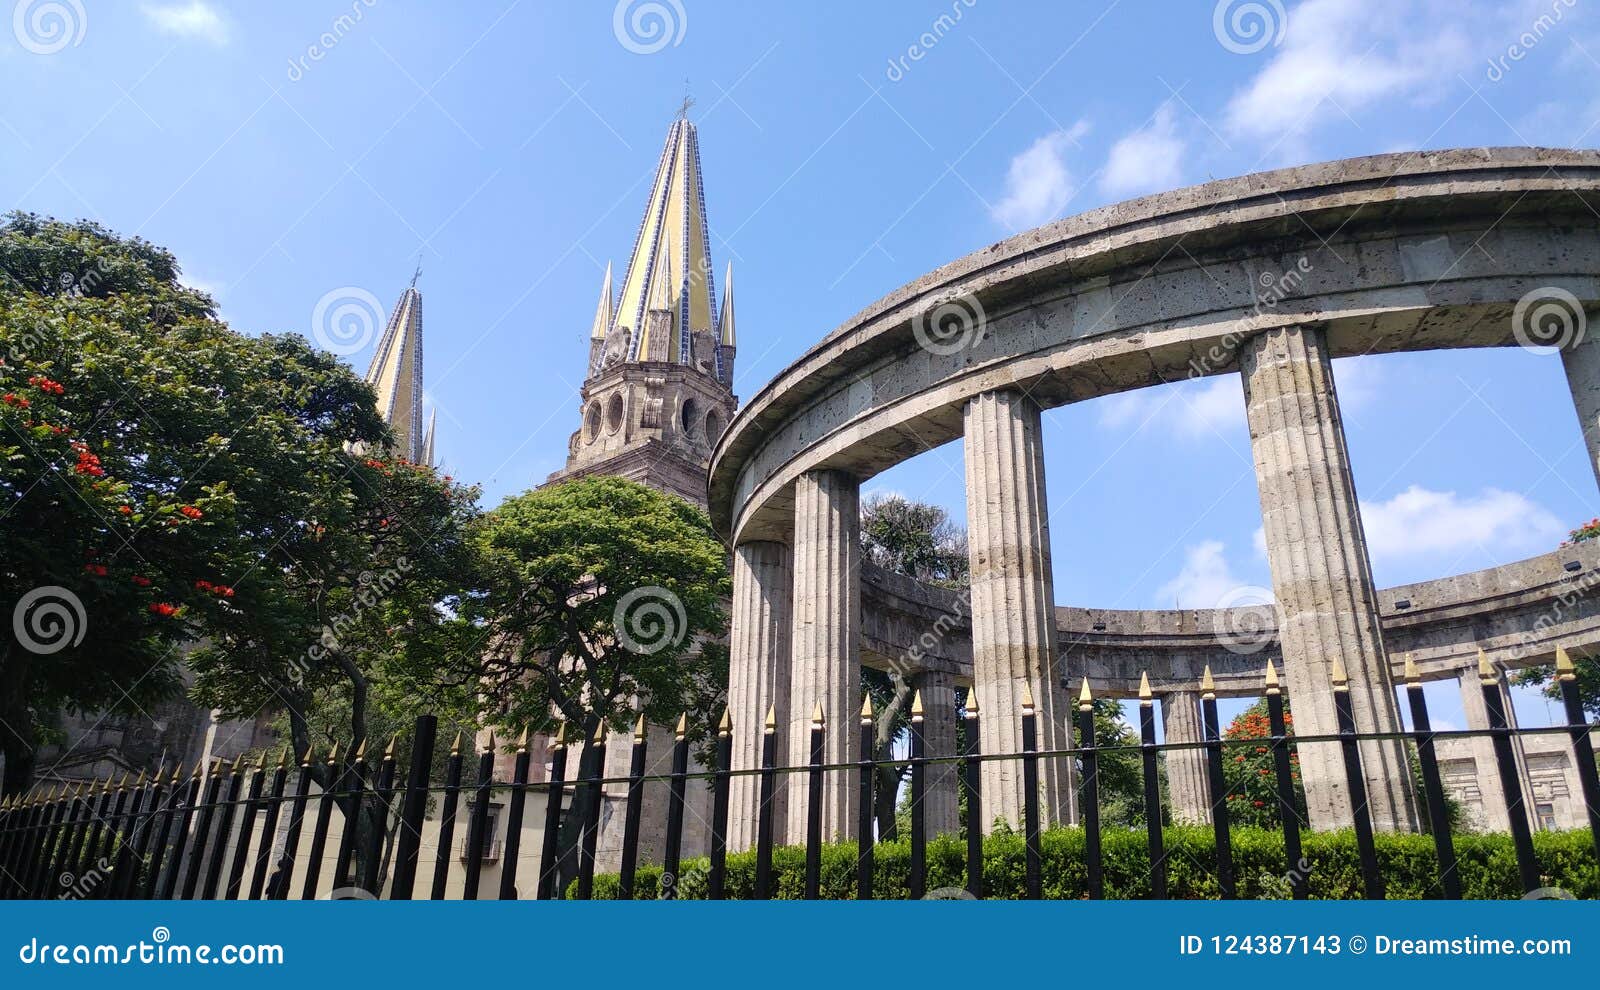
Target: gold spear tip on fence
(361, 751)
(488, 747)
(522, 740)
(389, 750)
(972, 701)
(1412, 674)
(725, 727)
(1565, 670)
(866, 709)
(1341, 679)
(333, 754)
(1485, 669)
(261, 764)
(639, 730)
(817, 719)
(238, 762)
(916, 706)
(1145, 697)
(122, 785)
(772, 719)
(455, 747)
(682, 729)
(305, 758)
(141, 781)
(1272, 678)
(1085, 699)
(1027, 698)
(198, 767)
(1208, 684)
(561, 736)
(177, 773)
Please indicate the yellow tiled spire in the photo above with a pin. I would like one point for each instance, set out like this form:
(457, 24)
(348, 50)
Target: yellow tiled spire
(671, 259)
(396, 375)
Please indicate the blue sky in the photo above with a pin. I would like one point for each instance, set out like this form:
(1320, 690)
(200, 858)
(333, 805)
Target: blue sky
(292, 151)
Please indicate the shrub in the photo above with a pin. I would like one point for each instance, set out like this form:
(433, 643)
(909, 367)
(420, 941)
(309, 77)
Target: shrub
(1487, 865)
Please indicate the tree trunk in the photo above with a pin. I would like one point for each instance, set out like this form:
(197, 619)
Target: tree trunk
(18, 734)
(572, 821)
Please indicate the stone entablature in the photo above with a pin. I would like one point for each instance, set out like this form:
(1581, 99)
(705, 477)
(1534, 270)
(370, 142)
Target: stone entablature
(1516, 613)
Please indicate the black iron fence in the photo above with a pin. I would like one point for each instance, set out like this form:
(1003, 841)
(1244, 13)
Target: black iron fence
(167, 837)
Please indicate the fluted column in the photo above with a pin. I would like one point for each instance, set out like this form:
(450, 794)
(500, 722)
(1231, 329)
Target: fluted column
(1013, 604)
(1486, 767)
(825, 644)
(758, 679)
(1582, 363)
(1187, 783)
(1321, 575)
(940, 801)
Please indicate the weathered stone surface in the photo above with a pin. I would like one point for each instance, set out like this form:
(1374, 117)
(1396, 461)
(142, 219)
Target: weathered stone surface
(758, 658)
(1188, 787)
(1581, 359)
(826, 666)
(940, 801)
(1321, 577)
(1013, 605)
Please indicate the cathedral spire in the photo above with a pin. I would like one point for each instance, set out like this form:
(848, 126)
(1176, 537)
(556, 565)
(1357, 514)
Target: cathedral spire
(671, 258)
(602, 312)
(427, 439)
(725, 320)
(396, 375)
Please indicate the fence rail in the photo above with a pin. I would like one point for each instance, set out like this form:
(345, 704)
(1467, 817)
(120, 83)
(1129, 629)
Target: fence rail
(167, 837)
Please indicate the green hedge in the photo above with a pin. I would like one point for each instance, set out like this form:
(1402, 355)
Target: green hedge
(1487, 864)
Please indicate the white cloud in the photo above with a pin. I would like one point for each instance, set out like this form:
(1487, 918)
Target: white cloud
(1341, 56)
(1039, 183)
(1147, 160)
(1190, 408)
(1420, 522)
(1206, 580)
(196, 19)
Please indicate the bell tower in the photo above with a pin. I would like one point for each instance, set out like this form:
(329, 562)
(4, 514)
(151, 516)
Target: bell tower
(659, 388)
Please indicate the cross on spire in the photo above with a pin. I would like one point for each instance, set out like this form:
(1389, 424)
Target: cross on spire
(418, 273)
(688, 101)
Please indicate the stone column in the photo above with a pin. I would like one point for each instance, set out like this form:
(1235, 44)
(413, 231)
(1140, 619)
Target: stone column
(1582, 363)
(826, 664)
(1188, 786)
(1013, 604)
(758, 679)
(1321, 576)
(940, 800)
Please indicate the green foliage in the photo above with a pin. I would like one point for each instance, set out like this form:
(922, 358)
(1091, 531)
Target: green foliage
(596, 592)
(1587, 670)
(1249, 773)
(1487, 865)
(914, 539)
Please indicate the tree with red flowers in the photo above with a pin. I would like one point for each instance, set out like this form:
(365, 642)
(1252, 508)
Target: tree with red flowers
(1248, 769)
(163, 480)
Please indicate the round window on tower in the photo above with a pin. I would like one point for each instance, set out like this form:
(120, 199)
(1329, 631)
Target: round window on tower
(691, 417)
(591, 422)
(614, 413)
(714, 425)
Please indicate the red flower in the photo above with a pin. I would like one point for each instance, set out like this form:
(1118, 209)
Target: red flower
(46, 386)
(1259, 804)
(191, 512)
(140, 580)
(12, 399)
(126, 510)
(164, 609)
(98, 570)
